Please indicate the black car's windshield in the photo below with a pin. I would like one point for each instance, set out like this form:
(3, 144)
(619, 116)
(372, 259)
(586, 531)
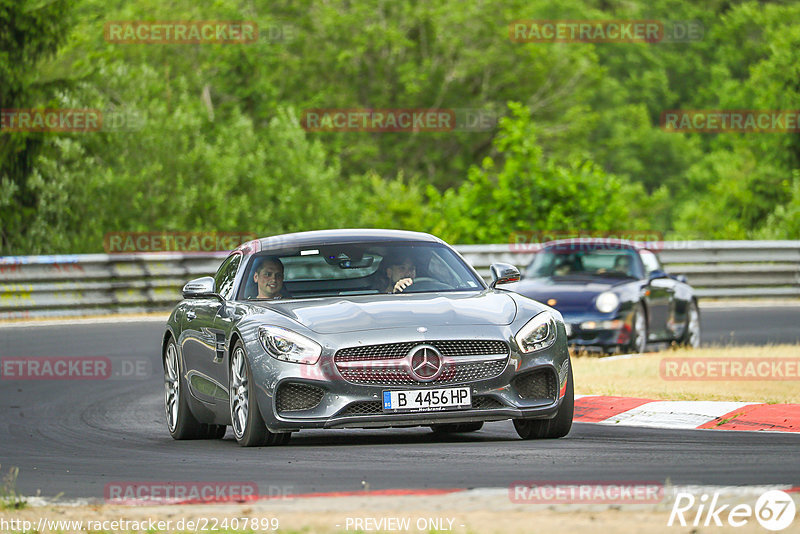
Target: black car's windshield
(557, 262)
(355, 269)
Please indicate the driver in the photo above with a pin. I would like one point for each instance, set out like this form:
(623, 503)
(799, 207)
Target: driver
(400, 272)
(269, 279)
(622, 264)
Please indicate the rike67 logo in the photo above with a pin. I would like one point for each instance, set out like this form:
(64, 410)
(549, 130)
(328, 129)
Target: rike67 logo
(774, 510)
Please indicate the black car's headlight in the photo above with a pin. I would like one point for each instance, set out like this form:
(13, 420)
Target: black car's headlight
(538, 333)
(607, 302)
(289, 346)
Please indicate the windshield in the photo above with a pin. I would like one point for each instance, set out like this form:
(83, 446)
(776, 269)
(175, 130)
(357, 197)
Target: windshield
(614, 262)
(356, 269)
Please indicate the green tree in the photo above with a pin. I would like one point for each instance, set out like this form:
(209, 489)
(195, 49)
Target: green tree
(30, 31)
(525, 191)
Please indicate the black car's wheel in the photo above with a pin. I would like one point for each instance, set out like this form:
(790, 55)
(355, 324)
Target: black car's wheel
(181, 423)
(557, 427)
(638, 341)
(455, 428)
(248, 425)
(691, 337)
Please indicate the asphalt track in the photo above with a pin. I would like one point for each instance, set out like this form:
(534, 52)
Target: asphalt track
(74, 437)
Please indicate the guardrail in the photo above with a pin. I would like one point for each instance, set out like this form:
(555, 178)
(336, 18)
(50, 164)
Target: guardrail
(96, 284)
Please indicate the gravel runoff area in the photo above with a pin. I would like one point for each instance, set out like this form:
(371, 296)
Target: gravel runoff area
(472, 511)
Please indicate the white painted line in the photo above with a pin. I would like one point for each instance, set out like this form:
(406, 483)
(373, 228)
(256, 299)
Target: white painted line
(724, 305)
(674, 414)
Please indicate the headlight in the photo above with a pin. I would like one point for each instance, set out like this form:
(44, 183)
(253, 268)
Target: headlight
(539, 333)
(607, 302)
(289, 346)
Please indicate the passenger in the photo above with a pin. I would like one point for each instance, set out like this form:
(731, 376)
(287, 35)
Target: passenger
(623, 265)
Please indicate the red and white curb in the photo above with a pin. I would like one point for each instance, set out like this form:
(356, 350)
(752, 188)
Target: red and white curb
(718, 415)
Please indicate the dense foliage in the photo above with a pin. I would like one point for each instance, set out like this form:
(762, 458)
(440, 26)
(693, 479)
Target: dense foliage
(212, 137)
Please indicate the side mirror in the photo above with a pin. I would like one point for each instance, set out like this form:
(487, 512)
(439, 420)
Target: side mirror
(503, 273)
(657, 274)
(199, 288)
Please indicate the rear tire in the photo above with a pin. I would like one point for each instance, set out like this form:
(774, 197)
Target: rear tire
(691, 337)
(456, 428)
(557, 427)
(181, 422)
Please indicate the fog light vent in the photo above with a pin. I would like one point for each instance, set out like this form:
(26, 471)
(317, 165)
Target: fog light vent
(539, 384)
(295, 397)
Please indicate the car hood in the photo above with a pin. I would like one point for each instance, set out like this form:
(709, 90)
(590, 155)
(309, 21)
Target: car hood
(332, 315)
(571, 294)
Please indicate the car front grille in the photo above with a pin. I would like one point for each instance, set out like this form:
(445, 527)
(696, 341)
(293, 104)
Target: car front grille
(452, 374)
(453, 371)
(481, 402)
(539, 384)
(448, 347)
(296, 397)
(362, 408)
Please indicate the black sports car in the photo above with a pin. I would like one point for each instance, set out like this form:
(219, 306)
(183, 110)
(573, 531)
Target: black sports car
(612, 294)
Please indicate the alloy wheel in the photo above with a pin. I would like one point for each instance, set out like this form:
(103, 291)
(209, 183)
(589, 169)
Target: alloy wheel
(239, 393)
(172, 387)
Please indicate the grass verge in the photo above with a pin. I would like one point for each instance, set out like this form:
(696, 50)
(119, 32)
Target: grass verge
(9, 498)
(640, 376)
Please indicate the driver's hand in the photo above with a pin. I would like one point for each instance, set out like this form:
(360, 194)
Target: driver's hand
(402, 284)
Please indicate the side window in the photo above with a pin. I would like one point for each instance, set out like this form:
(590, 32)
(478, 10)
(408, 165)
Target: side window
(226, 274)
(650, 261)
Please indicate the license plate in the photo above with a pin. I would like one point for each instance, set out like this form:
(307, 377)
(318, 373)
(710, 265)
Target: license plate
(427, 400)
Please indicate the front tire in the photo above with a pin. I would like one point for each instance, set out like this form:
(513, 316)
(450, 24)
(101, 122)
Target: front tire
(248, 425)
(557, 427)
(638, 341)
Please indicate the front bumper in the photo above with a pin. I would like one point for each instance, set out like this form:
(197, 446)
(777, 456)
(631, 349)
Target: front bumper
(598, 330)
(339, 403)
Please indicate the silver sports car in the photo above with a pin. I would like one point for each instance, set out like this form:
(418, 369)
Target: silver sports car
(360, 329)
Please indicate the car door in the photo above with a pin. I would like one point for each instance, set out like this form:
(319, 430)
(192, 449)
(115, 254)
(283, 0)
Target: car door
(204, 341)
(659, 295)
